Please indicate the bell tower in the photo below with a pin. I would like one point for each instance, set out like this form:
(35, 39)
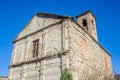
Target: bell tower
(88, 21)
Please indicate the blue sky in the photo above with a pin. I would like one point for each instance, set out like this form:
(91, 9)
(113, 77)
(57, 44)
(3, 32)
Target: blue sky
(15, 14)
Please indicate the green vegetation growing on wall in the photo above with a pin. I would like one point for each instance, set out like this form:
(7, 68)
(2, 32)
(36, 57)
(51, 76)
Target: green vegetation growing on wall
(66, 75)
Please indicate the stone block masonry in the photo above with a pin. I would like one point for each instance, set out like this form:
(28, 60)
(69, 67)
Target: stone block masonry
(50, 43)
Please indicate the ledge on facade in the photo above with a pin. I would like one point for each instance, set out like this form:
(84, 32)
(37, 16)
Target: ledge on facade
(42, 58)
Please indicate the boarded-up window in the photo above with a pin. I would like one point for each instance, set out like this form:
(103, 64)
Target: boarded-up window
(35, 48)
(105, 62)
(84, 46)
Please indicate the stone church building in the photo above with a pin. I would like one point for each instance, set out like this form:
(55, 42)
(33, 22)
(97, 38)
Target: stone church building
(50, 43)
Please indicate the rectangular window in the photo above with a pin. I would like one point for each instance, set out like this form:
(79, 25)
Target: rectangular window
(35, 48)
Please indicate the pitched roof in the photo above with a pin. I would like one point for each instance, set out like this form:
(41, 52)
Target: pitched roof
(49, 15)
(89, 11)
(45, 15)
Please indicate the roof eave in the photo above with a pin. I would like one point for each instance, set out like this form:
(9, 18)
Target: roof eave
(89, 11)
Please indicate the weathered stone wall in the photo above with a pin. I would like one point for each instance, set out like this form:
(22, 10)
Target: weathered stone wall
(50, 43)
(48, 69)
(86, 56)
(36, 24)
(23, 49)
(91, 24)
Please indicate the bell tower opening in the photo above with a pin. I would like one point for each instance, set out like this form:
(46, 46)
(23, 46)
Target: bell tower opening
(84, 22)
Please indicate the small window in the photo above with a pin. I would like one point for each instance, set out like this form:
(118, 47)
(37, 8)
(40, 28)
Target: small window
(35, 48)
(84, 22)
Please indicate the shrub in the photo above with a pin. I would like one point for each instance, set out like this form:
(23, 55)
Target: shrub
(66, 75)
